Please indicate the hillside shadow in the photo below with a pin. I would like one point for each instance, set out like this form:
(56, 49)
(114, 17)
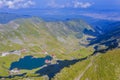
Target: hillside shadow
(12, 76)
(53, 69)
(104, 40)
(50, 70)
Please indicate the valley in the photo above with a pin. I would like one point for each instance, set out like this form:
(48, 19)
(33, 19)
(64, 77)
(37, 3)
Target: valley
(34, 49)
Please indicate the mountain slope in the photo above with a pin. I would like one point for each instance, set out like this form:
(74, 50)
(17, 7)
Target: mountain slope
(37, 36)
(67, 40)
(105, 37)
(34, 31)
(99, 67)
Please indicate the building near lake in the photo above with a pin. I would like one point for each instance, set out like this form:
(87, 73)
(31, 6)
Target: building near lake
(14, 71)
(5, 53)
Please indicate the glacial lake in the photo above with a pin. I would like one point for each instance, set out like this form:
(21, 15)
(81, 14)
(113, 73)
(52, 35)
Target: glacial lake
(29, 62)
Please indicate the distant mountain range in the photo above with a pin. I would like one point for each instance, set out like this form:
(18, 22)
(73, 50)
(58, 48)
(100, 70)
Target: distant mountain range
(102, 30)
(7, 17)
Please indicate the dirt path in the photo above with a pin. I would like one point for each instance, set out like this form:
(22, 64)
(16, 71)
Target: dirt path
(87, 67)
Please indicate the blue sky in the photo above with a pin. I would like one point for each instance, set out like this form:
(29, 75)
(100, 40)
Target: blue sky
(102, 9)
(99, 4)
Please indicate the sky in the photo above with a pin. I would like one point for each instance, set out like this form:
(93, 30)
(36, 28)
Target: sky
(102, 9)
(98, 4)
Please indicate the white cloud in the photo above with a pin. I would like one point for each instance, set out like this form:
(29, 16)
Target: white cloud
(54, 4)
(73, 4)
(82, 4)
(16, 4)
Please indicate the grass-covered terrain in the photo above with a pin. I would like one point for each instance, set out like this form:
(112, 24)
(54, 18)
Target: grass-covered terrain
(64, 39)
(98, 67)
(35, 35)
(35, 32)
(6, 61)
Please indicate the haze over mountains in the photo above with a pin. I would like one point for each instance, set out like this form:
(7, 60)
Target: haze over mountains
(99, 26)
(71, 35)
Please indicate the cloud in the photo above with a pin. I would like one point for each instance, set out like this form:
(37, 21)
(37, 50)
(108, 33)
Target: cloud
(78, 4)
(16, 4)
(54, 4)
(73, 4)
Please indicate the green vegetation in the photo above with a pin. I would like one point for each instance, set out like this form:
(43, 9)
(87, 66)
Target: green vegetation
(63, 39)
(36, 36)
(104, 67)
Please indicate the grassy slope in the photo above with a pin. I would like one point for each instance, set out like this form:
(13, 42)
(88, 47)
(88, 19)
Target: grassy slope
(48, 35)
(37, 35)
(104, 67)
